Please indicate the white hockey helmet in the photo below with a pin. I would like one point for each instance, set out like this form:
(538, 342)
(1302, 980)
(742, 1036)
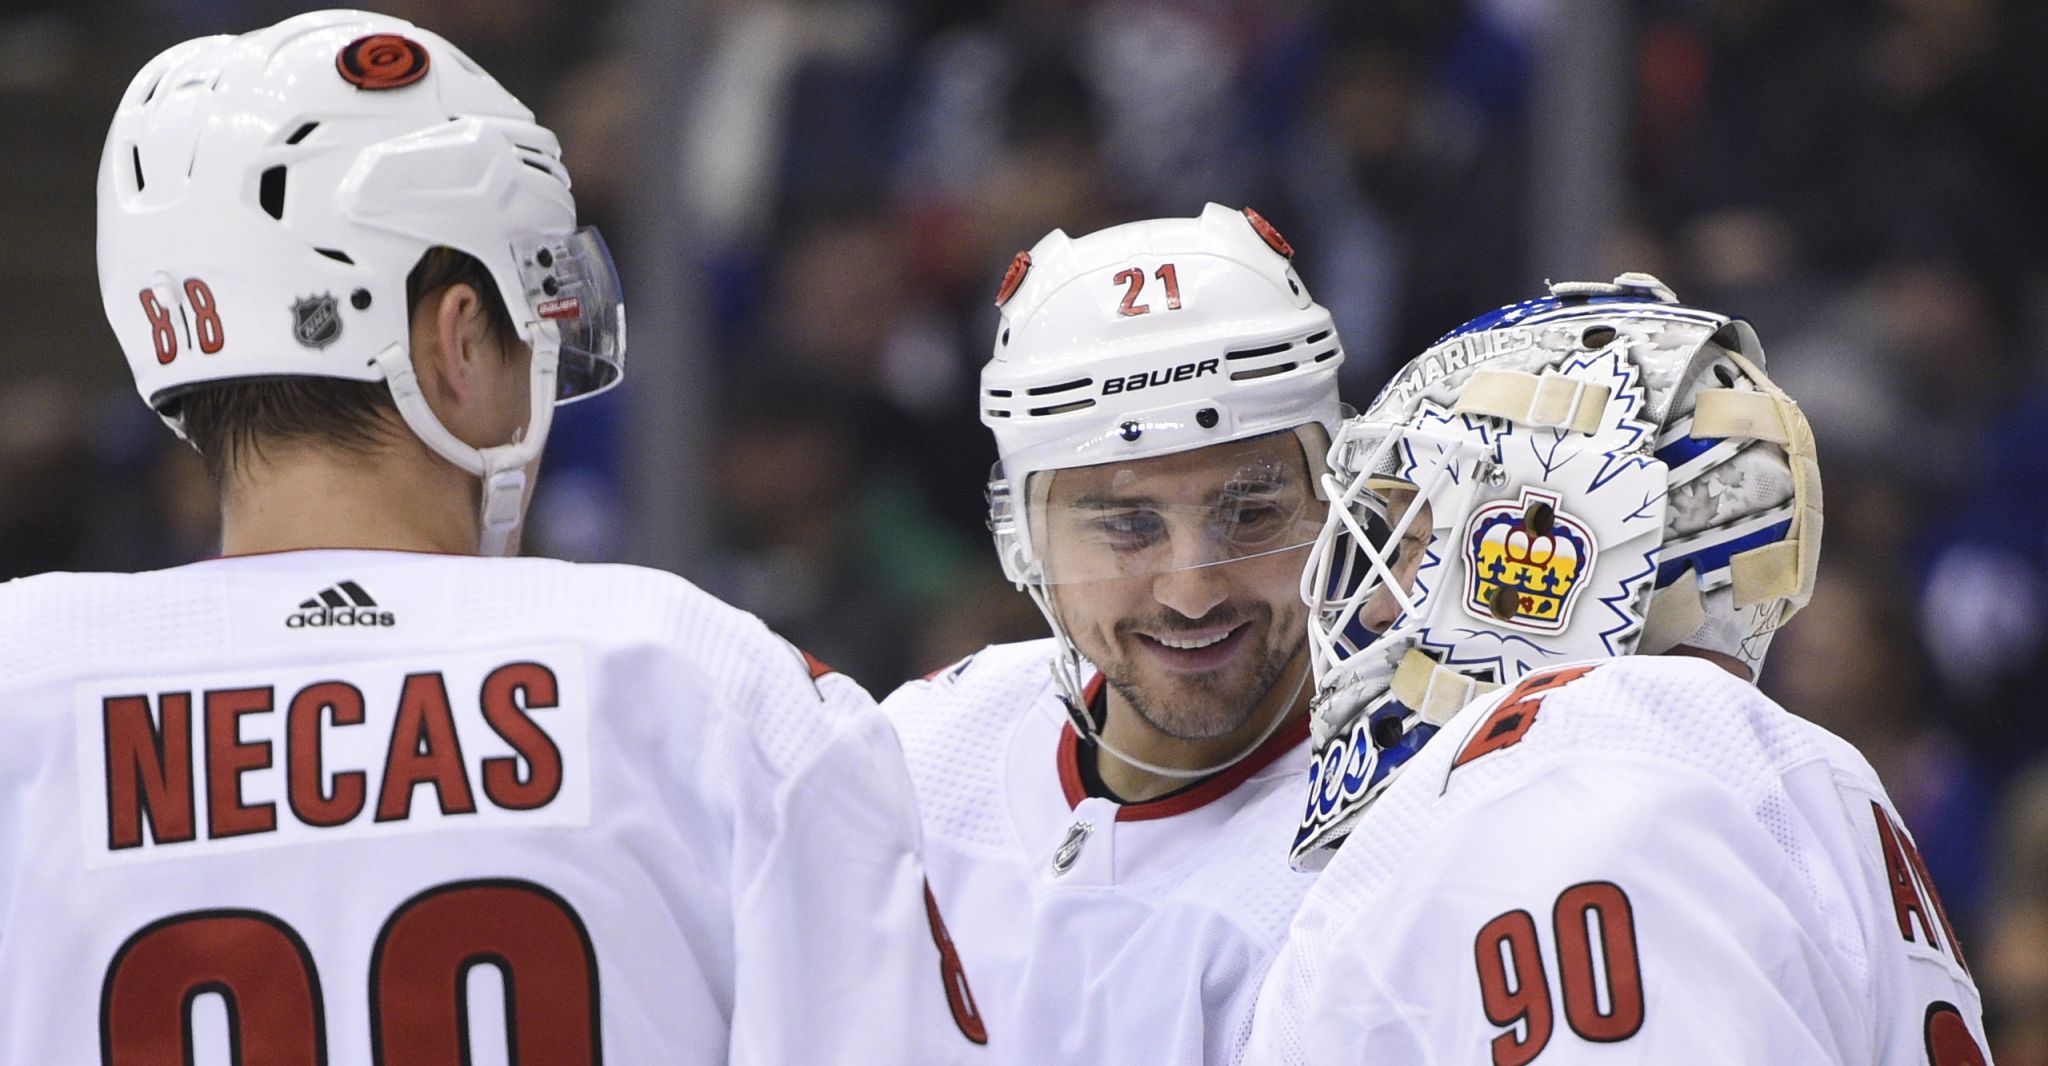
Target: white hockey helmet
(1605, 471)
(263, 197)
(1144, 340)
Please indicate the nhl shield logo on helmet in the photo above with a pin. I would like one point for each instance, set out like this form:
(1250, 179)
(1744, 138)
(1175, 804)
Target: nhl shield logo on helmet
(316, 321)
(1525, 559)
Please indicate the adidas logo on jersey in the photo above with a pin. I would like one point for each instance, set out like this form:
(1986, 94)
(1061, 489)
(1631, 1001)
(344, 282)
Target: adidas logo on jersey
(344, 604)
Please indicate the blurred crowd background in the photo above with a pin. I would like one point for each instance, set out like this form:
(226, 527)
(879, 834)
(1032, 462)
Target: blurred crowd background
(812, 203)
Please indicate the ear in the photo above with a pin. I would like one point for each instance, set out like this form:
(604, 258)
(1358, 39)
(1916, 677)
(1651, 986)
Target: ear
(447, 338)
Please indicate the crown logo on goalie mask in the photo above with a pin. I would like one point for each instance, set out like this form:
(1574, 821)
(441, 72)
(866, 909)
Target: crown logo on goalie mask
(1526, 560)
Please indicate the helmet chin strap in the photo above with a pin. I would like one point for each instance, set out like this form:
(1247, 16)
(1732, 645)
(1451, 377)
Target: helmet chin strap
(501, 469)
(1066, 672)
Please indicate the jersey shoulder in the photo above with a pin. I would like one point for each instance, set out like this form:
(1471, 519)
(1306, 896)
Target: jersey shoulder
(957, 727)
(989, 688)
(655, 636)
(1659, 708)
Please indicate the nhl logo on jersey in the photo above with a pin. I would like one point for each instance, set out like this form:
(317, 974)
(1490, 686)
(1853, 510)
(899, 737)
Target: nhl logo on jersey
(316, 321)
(1526, 561)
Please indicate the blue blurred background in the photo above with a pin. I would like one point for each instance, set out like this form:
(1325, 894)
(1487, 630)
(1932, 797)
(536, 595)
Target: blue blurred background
(812, 202)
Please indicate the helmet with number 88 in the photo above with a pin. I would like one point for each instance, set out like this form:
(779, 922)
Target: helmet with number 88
(263, 198)
(1143, 341)
(1598, 472)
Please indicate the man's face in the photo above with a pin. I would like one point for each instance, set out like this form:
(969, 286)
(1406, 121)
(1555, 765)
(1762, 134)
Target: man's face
(1405, 555)
(1179, 576)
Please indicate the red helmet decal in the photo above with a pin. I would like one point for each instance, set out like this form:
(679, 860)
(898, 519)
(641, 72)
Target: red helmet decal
(382, 61)
(1013, 277)
(1270, 235)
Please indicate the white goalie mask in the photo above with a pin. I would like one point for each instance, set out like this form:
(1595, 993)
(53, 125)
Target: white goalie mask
(1594, 473)
(1141, 378)
(263, 197)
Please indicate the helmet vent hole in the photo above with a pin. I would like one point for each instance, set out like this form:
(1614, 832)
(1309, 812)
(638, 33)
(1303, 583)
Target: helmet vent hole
(1261, 372)
(1724, 376)
(1314, 337)
(301, 133)
(360, 299)
(135, 154)
(1006, 336)
(150, 93)
(1043, 390)
(270, 193)
(1294, 286)
(1597, 337)
(336, 255)
(1249, 353)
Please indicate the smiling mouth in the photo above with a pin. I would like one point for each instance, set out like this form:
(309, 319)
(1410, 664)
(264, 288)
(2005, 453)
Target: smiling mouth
(1196, 651)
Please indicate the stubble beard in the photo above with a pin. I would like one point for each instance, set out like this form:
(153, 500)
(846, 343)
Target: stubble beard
(1206, 707)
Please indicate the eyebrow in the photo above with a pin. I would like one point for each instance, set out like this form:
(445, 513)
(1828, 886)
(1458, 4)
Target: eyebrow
(1111, 501)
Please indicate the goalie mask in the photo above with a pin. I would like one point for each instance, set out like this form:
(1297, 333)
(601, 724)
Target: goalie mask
(1161, 394)
(1595, 473)
(263, 198)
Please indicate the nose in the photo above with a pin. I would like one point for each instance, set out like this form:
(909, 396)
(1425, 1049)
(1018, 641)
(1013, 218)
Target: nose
(1192, 591)
(1380, 610)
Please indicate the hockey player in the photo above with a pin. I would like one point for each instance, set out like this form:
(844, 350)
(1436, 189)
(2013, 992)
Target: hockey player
(1098, 805)
(1571, 829)
(348, 794)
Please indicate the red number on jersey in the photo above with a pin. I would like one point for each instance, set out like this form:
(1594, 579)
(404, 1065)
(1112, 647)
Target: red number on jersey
(959, 997)
(1596, 947)
(1507, 947)
(1583, 911)
(1949, 1042)
(417, 1016)
(250, 958)
(1136, 280)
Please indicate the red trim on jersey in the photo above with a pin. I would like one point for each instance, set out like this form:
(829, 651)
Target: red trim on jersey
(818, 667)
(1209, 791)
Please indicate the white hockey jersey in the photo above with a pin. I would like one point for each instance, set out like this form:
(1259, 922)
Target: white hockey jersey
(1642, 860)
(353, 806)
(1095, 932)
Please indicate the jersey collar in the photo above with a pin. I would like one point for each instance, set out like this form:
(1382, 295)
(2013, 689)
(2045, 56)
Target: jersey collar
(1208, 791)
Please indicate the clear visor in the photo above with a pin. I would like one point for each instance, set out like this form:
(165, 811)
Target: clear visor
(1228, 503)
(573, 288)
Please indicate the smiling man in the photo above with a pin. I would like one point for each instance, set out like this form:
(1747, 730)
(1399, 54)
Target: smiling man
(1096, 804)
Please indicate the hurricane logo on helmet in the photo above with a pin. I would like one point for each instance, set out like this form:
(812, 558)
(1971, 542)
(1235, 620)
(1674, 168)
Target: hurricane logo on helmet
(1525, 558)
(382, 61)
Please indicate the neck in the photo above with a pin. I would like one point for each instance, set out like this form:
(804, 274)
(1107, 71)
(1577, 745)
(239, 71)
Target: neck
(1128, 731)
(399, 497)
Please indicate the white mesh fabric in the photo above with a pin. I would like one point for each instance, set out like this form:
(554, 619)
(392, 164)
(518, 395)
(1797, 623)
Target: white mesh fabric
(1684, 714)
(955, 729)
(708, 764)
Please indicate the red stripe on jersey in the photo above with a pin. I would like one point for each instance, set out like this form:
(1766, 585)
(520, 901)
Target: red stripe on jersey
(1209, 791)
